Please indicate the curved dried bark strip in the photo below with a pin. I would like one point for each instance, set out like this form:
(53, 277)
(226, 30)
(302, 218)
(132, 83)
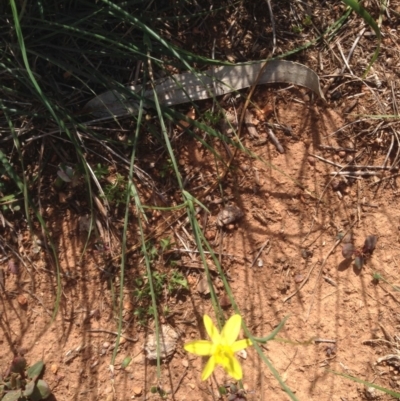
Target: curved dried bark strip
(189, 86)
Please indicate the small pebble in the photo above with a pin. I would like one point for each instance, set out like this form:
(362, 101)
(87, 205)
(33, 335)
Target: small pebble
(225, 302)
(210, 235)
(335, 184)
(185, 363)
(242, 353)
(342, 153)
(106, 345)
(22, 300)
(137, 390)
(54, 368)
(167, 390)
(311, 160)
(128, 306)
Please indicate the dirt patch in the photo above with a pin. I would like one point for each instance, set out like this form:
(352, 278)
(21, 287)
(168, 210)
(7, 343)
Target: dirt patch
(282, 258)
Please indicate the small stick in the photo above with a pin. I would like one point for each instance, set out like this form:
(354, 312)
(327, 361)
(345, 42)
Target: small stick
(285, 128)
(248, 122)
(324, 340)
(326, 147)
(330, 281)
(384, 179)
(259, 252)
(112, 332)
(358, 166)
(326, 161)
(275, 141)
(344, 59)
(323, 265)
(180, 381)
(355, 173)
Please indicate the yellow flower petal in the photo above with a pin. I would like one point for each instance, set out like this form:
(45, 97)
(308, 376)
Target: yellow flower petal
(212, 331)
(208, 369)
(239, 345)
(231, 330)
(232, 367)
(200, 347)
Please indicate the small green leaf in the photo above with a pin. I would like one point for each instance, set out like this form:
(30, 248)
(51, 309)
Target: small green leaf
(222, 390)
(35, 370)
(126, 362)
(377, 276)
(359, 262)
(29, 389)
(43, 388)
(12, 395)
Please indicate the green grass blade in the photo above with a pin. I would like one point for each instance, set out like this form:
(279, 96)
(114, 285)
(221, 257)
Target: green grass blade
(366, 383)
(363, 13)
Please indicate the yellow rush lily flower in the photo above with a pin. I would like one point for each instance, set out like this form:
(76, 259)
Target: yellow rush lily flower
(221, 348)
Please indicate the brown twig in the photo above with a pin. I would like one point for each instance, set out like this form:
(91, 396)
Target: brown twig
(115, 333)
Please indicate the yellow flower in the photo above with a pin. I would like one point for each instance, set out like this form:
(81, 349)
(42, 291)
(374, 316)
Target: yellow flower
(221, 348)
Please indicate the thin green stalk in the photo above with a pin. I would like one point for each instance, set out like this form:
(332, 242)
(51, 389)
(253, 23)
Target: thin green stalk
(362, 12)
(132, 192)
(367, 383)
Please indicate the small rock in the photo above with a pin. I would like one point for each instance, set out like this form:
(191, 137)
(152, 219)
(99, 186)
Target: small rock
(202, 287)
(311, 161)
(137, 390)
(168, 340)
(22, 300)
(167, 390)
(242, 353)
(225, 302)
(228, 215)
(185, 363)
(62, 197)
(342, 153)
(106, 345)
(84, 223)
(372, 393)
(54, 368)
(210, 235)
(128, 305)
